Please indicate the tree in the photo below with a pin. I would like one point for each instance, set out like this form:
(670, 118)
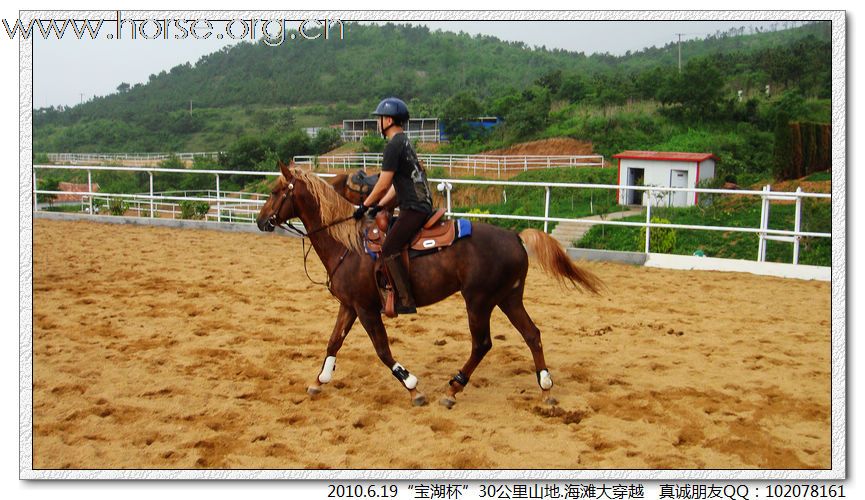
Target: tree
(457, 110)
(531, 114)
(573, 88)
(123, 87)
(48, 184)
(696, 92)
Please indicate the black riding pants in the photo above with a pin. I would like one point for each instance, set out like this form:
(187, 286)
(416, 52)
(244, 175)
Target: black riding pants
(404, 229)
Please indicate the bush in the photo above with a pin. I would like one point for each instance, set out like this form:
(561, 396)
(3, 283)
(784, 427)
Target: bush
(193, 209)
(373, 143)
(116, 206)
(661, 239)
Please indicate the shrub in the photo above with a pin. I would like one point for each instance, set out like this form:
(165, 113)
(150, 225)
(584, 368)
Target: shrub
(661, 239)
(116, 206)
(373, 143)
(193, 209)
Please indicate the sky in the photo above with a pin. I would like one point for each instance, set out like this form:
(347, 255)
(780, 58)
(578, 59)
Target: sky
(69, 71)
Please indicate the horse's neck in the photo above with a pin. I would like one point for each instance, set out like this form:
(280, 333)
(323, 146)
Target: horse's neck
(326, 247)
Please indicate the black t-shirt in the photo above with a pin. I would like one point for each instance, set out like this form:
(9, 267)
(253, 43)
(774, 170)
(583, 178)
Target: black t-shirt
(409, 178)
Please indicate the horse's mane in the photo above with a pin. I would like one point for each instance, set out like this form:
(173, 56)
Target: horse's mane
(332, 207)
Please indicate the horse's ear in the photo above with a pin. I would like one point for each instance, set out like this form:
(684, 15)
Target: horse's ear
(284, 169)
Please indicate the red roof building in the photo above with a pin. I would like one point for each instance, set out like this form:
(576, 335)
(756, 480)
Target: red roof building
(663, 169)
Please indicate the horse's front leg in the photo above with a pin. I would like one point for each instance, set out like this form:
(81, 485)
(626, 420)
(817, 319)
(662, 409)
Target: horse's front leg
(371, 321)
(344, 320)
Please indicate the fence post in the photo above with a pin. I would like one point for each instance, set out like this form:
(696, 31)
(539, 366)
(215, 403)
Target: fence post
(648, 219)
(218, 203)
(89, 190)
(798, 225)
(764, 223)
(448, 193)
(35, 196)
(546, 208)
(150, 173)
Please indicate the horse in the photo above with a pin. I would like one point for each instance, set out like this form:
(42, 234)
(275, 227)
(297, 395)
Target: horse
(489, 268)
(347, 186)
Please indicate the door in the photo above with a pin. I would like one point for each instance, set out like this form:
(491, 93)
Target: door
(635, 178)
(679, 179)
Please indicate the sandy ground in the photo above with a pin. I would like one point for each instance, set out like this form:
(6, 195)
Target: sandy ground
(171, 348)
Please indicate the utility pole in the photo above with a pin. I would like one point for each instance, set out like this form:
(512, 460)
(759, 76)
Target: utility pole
(82, 97)
(680, 51)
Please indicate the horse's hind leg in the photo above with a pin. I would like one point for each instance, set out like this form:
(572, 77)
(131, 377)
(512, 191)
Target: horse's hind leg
(514, 309)
(344, 320)
(374, 327)
(479, 324)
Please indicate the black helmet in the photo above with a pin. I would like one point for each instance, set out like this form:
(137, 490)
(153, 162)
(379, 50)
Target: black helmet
(393, 107)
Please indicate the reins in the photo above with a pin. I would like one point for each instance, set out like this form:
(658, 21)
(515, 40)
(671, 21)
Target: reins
(290, 228)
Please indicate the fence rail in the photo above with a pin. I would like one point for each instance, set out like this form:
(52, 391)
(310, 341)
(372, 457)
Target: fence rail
(498, 164)
(78, 157)
(234, 206)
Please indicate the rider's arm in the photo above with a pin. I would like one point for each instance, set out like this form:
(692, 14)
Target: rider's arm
(385, 181)
(388, 197)
(381, 189)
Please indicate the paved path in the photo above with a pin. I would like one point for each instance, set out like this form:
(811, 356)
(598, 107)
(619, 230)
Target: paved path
(568, 233)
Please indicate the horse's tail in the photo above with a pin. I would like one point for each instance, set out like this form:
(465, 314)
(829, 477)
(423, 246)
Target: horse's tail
(553, 259)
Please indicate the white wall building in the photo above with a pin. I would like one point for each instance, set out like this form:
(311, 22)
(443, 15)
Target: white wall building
(666, 169)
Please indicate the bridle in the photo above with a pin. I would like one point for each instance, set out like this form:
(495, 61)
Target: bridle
(287, 226)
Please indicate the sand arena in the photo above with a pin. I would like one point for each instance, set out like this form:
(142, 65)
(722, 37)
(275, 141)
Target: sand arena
(179, 348)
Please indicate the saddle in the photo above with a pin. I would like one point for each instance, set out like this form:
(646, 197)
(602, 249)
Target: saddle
(362, 182)
(435, 235)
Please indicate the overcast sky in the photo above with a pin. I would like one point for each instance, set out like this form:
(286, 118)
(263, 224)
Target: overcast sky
(70, 70)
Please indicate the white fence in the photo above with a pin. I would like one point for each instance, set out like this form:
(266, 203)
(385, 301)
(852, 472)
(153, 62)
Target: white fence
(234, 207)
(84, 157)
(421, 135)
(483, 164)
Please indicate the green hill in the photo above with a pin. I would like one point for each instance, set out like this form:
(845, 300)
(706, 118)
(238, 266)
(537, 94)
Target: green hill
(252, 88)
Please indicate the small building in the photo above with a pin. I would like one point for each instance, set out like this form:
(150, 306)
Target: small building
(665, 169)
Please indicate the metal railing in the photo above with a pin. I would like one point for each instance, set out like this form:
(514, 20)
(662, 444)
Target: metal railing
(484, 164)
(223, 200)
(433, 135)
(79, 157)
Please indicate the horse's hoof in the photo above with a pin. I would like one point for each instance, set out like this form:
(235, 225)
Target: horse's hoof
(419, 400)
(448, 402)
(313, 390)
(551, 401)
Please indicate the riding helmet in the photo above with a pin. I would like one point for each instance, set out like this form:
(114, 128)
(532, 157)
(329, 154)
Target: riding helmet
(393, 107)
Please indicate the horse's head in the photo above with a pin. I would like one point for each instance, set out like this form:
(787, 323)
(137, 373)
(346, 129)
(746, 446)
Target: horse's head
(280, 206)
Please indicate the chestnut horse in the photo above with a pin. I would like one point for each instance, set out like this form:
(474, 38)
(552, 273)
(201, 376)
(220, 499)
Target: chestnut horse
(489, 269)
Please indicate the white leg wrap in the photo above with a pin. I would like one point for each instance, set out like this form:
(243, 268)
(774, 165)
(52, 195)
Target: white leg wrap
(410, 381)
(327, 370)
(545, 380)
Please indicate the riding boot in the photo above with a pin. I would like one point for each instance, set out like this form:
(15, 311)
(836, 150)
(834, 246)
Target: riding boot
(401, 284)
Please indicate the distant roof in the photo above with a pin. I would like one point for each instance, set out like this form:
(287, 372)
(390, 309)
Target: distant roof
(664, 156)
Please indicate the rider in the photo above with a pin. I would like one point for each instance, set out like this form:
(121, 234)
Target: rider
(403, 177)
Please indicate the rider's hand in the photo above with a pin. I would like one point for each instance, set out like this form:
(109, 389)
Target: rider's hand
(358, 214)
(375, 210)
